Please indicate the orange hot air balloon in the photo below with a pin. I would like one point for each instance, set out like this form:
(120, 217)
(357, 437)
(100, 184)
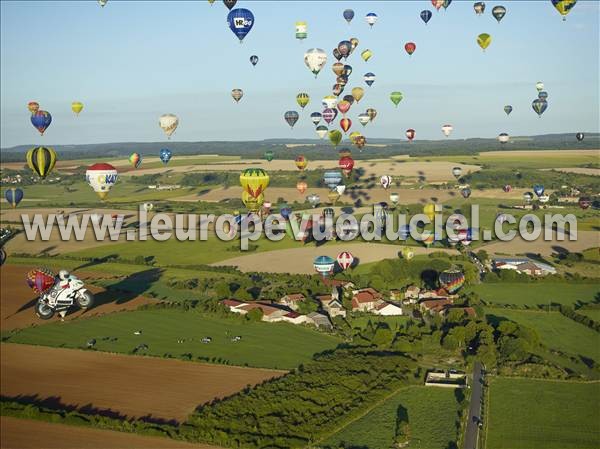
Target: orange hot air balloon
(301, 187)
(33, 106)
(345, 124)
(301, 162)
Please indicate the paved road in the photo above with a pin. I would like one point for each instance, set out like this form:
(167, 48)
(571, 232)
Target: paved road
(472, 431)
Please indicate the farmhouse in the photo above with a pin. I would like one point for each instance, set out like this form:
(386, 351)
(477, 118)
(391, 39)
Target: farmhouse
(331, 305)
(294, 318)
(338, 283)
(447, 379)
(365, 300)
(523, 265)
(292, 301)
(319, 320)
(435, 306)
(412, 292)
(387, 309)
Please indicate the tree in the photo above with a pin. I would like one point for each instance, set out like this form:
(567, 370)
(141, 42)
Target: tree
(383, 336)
(255, 315)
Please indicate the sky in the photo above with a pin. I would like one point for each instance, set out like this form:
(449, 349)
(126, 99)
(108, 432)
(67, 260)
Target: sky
(132, 61)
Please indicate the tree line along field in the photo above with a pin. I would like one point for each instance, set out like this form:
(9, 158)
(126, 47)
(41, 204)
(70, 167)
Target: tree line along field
(263, 345)
(542, 414)
(536, 294)
(432, 419)
(555, 330)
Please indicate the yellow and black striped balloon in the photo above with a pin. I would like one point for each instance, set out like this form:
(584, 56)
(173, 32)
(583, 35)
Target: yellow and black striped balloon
(41, 160)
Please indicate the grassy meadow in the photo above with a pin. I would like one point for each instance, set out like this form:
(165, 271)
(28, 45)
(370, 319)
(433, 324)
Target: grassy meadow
(536, 294)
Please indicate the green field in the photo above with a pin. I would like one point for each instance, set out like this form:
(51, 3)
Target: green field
(594, 314)
(555, 330)
(264, 345)
(432, 416)
(536, 294)
(540, 414)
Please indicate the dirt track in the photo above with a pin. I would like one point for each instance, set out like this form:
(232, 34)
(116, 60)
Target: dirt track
(18, 300)
(28, 434)
(133, 386)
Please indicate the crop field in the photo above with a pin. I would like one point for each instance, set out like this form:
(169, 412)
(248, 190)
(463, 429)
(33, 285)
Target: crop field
(542, 414)
(594, 314)
(432, 415)
(536, 294)
(264, 345)
(127, 385)
(555, 330)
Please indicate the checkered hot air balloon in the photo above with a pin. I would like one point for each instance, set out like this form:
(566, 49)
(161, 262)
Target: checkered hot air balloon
(345, 260)
(40, 280)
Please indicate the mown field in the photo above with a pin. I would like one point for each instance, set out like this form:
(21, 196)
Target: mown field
(536, 294)
(432, 416)
(541, 414)
(263, 345)
(555, 330)
(594, 314)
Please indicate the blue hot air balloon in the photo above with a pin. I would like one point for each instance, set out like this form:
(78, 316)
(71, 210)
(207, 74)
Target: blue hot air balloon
(285, 211)
(348, 15)
(165, 155)
(41, 120)
(332, 178)
(324, 265)
(538, 189)
(13, 195)
(240, 22)
(426, 16)
(369, 78)
(539, 105)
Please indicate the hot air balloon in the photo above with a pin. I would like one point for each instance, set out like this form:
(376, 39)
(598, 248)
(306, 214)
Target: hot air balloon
(503, 138)
(329, 115)
(354, 41)
(429, 211)
(101, 177)
(340, 189)
(168, 123)
(332, 197)
(13, 196)
(479, 8)
(41, 160)
(437, 4)
(322, 131)
(366, 54)
(466, 192)
(507, 188)
(313, 199)
(315, 117)
(447, 129)
(394, 198)
(324, 265)
(237, 94)
(254, 182)
(364, 118)
(360, 141)
(345, 260)
(385, 181)
(329, 102)
(348, 15)
(240, 22)
(254, 60)
(371, 18)
(291, 117)
(539, 106)
(302, 99)
(584, 202)
(484, 40)
(564, 7)
(426, 15)
(41, 120)
(543, 95)
(335, 137)
(285, 211)
(315, 59)
(148, 206)
(338, 68)
(498, 12)
(406, 253)
(135, 159)
(369, 78)
(343, 106)
(410, 134)
(345, 124)
(332, 178)
(346, 163)
(344, 47)
(358, 93)
(40, 280)
(301, 187)
(252, 203)
(372, 113)
(33, 107)
(538, 189)
(527, 197)
(457, 172)
(452, 280)
(229, 3)
(301, 162)
(508, 109)
(77, 107)
(269, 155)
(539, 86)
(396, 97)
(336, 54)
(410, 48)
(165, 155)
(579, 136)
(543, 199)
(301, 30)
(447, 3)
(102, 3)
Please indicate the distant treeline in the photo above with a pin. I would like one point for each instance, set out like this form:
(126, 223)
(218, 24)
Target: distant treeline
(314, 149)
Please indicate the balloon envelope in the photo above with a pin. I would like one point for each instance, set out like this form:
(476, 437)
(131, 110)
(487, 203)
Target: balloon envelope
(165, 155)
(13, 196)
(426, 16)
(41, 160)
(101, 178)
(315, 59)
(41, 120)
(240, 22)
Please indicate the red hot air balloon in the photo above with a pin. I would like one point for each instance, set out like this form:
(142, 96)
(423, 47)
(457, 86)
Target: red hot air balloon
(345, 124)
(345, 260)
(346, 163)
(507, 188)
(40, 280)
(410, 48)
(343, 106)
(410, 134)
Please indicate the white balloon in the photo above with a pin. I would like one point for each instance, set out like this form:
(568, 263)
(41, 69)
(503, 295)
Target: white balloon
(447, 129)
(340, 189)
(315, 59)
(168, 123)
(101, 178)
